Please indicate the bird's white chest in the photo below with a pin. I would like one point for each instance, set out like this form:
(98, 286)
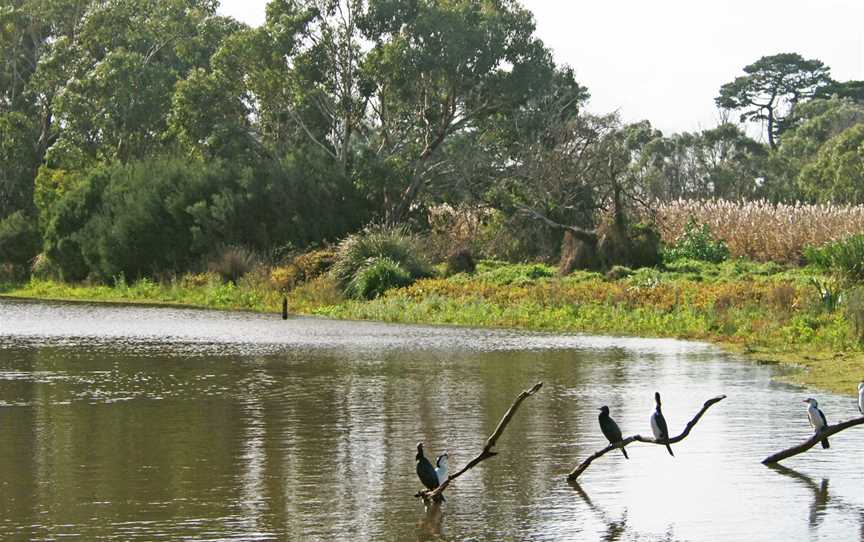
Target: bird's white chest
(815, 418)
(861, 398)
(655, 428)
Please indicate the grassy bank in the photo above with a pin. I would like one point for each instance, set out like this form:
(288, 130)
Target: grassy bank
(766, 311)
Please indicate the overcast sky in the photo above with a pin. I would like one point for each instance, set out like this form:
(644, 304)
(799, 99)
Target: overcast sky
(664, 60)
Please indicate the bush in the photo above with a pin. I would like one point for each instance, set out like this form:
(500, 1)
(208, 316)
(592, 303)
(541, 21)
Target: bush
(844, 258)
(314, 264)
(697, 243)
(378, 276)
(357, 251)
(460, 261)
(20, 241)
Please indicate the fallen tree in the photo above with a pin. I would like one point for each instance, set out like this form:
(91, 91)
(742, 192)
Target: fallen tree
(486, 453)
(801, 448)
(639, 438)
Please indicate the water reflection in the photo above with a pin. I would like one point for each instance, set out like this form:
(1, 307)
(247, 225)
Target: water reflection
(821, 499)
(144, 425)
(615, 528)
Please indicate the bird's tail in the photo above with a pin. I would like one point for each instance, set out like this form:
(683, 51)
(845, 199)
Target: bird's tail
(624, 451)
(670, 450)
(825, 443)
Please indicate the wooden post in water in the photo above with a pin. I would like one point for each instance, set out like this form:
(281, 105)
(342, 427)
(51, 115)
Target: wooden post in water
(284, 308)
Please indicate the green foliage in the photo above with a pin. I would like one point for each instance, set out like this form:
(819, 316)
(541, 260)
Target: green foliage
(697, 243)
(844, 258)
(376, 277)
(837, 172)
(396, 245)
(855, 312)
(514, 274)
(20, 241)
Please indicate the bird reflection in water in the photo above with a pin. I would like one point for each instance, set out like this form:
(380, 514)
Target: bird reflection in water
(431, 525)
(616, 529)
(821, 498)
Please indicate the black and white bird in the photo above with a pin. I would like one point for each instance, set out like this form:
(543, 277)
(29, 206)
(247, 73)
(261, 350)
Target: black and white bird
(861, 398)
(425, 470)
(441, 467)
(658, 424)
(817, 419)
(610, 429)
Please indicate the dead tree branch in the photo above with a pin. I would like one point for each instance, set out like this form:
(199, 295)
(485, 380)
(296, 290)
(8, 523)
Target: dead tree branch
(801, 448)
(428, 495)
(639, 438)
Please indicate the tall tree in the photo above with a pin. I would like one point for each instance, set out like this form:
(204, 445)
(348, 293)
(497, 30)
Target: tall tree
(771, 88)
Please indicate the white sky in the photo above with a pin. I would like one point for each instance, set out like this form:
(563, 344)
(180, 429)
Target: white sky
(664, 60)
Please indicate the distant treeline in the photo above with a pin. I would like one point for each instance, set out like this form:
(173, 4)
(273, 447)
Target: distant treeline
(143, 136)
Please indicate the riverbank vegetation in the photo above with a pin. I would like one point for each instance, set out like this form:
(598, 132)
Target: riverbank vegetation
(420, 161)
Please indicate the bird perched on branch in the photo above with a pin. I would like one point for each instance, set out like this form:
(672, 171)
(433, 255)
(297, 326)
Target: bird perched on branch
(658, 424)
(817, 419)
(610, 429)
(861, 398)
(425, 470)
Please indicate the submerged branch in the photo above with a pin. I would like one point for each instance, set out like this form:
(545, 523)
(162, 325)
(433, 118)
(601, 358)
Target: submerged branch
(486, 453)
(639, 438)
(801, 448)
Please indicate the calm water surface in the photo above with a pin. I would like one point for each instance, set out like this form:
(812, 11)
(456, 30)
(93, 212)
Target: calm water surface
(147, 424)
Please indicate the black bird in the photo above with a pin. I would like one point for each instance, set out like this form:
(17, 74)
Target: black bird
(425, 470)
(610, 429)
(658, 424)
(817, 419)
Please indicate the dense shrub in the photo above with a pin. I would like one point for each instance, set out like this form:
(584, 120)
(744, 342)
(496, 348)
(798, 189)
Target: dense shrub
(396, 244)
(843, 258)
(20, 241)
(460, 261)
(314, 263)
(376, 277)
(697, 243)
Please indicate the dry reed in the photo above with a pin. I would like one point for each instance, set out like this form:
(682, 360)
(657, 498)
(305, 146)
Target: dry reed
(760, 230)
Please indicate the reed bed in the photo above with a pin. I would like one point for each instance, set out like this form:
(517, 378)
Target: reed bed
(761, 230)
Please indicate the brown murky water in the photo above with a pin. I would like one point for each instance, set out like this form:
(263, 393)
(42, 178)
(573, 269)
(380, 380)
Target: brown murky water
(144, 424)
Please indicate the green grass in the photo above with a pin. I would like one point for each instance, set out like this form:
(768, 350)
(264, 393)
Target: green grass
(764, 311)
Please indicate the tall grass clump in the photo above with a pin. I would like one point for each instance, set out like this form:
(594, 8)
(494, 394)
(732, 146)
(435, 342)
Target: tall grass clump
(232, 262)
(378, 276)
(373, 256)
(761, 230)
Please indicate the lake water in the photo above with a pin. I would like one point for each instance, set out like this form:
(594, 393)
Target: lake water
(145, 424)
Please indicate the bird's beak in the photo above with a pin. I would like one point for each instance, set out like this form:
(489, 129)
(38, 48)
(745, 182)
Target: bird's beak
(805, 401)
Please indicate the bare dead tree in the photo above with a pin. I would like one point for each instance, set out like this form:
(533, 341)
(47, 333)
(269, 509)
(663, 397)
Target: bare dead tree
(801, 448)
(486, 453)
(639, 438)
